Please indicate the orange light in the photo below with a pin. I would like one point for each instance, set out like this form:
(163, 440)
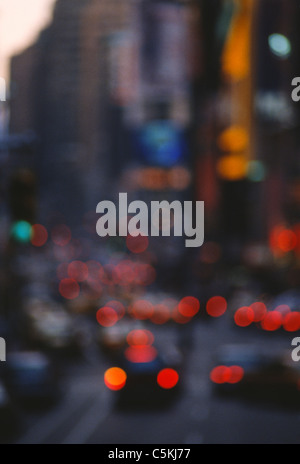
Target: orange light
(154, 179)
(179, 178)
(232, 167)
(167, 378)
(244, 317)
(39, 235)
(189, 306)
(115, 378)
(283, 240)
(69, 289)
(216, 306)
(287, 240)
(237, 50)
(233, 139)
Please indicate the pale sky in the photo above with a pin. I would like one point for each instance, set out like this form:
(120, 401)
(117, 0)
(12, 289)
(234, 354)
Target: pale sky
(20, 23)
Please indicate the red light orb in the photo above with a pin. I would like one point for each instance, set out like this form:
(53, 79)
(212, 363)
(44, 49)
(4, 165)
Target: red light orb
(69, 289)
(244, 317)
(216, 306)
(167, 378)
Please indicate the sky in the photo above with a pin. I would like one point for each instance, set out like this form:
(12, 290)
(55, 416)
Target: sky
(20, 23)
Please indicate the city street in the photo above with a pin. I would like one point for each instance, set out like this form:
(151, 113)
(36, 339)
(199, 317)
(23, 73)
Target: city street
(87, 413)
(149, 222)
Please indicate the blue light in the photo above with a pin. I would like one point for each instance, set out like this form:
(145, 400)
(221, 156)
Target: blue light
(280, 45)
(162, 144)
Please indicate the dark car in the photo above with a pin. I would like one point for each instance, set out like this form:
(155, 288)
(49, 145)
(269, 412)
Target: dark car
(151, 379)
(32, 378)
(252, 373)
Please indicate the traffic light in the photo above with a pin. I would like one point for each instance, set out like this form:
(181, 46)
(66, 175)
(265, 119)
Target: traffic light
(22, 202)
(233, 143)
(21, 231)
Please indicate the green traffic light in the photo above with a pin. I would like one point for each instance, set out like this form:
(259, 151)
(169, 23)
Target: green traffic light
(21, 231)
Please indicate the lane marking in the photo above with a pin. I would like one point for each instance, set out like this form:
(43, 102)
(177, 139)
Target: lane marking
(84, 429)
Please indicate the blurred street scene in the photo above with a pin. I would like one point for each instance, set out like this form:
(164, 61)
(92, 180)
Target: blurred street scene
(141, 340)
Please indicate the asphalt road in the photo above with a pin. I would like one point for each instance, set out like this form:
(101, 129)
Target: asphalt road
(87, 414)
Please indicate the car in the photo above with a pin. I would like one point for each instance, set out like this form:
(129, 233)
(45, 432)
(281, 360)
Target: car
(47, 325)
(32, 378)
(253, 373)
(146, 377)
(112, 340)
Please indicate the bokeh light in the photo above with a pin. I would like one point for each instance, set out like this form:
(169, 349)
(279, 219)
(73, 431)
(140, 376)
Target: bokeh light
(69, 289)
(161, 315)
(61, 235)
(141, 310)
(216, 306)
(137, 244)
(78, 270)
(118, 307)
(291, 322)
(233, 139)
(244, 316)
(140, 337)
(115, 378)
(107, 317)
(167, 378)
(283, 240)
(236, 374)
(39, 235)
(220, 375)
(189, 306)
(272, 321)
(140, 354)
(260, 311)
(21, 231)
(232, 167)
(280, 45)
(223, 374)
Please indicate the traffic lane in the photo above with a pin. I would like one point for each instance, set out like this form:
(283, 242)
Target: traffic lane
(82, 394)
(88, 413)
(236, 422)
